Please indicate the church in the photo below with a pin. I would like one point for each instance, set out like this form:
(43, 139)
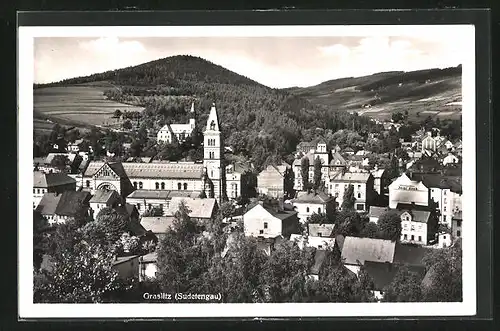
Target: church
(206, 178)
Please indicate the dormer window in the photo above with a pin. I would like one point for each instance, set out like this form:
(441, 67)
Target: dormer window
(212, 126)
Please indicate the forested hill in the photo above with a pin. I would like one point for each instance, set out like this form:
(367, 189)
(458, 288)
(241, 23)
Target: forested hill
(434, 92)
(261, 123)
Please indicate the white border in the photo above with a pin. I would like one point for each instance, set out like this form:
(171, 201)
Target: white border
(27, 309)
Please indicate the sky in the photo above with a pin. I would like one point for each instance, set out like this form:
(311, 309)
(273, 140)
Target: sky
(277, 62)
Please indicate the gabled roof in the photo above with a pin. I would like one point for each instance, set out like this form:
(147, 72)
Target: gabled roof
(123, 259)
(200, 208)
(44, 180)
(382, 274)
(212, 117)
(48, 204)
(358, 250)
(157, 224)
(104, 196)
(326, 230)
(279, 214)
(71, 201)
(439, 181)
(419, 216)
(182, 170)
(336, 157)
(377, 211)
(354, 177)
(378, 173)
(317, 198)
(319, 258)
(410, 254)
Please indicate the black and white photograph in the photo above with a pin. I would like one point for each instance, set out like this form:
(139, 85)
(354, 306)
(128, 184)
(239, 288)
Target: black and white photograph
(301, 170)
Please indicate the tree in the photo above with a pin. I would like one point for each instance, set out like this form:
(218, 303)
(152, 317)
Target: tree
(284, 274)
(348, 199)
(41, 241)
(319, 218)
(405, 287)
(397, 117)
(60, 162)
(389, 225)
(317, 173)
(114, 223)
(370, 230)
(127, 125)
(304, 172)
(153, 212)
(117, 113)
(443, 281)
(348, 223)
(288, 183)
(81, 274)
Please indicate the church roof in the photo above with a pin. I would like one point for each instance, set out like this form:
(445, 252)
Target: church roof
(179, 170)
(104, 196)
(161, 194)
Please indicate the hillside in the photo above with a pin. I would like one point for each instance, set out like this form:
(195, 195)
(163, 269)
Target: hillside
(433, 92)
(262, 123)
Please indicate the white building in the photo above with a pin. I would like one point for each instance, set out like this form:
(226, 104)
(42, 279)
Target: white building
(310, 241)
(177, 132)
(405, 190)
(363, 188)
(147, 266)
(414, 226)
(266, 222)
(307, 204)
(103, 199)
(450, 159)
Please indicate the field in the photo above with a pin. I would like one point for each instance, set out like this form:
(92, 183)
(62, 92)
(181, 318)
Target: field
(82, 105)
(422, 93)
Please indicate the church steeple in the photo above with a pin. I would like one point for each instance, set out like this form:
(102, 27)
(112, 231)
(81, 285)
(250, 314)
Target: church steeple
(213, 120)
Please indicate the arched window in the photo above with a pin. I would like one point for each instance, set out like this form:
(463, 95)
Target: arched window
(162, 186)
(135, 185)
(319, 210)
(88, 183)
(179, 186)
(185, 186)
(307, 209)
(157, 186)
(212, 126)
(140, 185)
(359, 195)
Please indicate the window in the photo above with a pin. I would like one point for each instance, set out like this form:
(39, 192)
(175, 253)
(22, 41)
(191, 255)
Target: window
(140, 185)
(359, 187)
(149, 206)
(135, 185)
(161, 206)
(444, 200)
(265, 225)
(212, 126)
(185, 186)
(444, 208)
(360, 206)
(412, 237)
(320, 246)
(320, 234)
(336, 194)
(157, 186)
(307, 209)
(34, 191)
(359, 195)
(459, 233)
(459, 223)
(138, 206)
(419, 238)
(406, 236)
(162, 186)
(444, 218)
(88, 183)
(444, 192)
(38, 191)
(261, 231)
(179, 185)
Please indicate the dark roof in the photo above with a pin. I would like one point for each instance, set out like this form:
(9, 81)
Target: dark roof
(326, 230)
(318, 198)
(281, 214)
(410, 254)
(382, 274)
(377, 211)
(438, 181)
(409, 206)
(123, 259)
(48, 204)
(319, 258)
(71, 201)
(420, 216)
(41, 179)
(157, 224)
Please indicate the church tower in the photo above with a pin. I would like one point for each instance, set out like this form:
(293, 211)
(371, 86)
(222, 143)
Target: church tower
(192, 122)
(213, 156)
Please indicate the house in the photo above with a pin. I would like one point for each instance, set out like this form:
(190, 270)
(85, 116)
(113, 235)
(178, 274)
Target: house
(414, 224)
(450, 159)
(146, 200)
(379, 180)
(158, 225)
(356, 251)
(375, 212)
(456, 225)
(272, 180)
(406, 190)
(200, 209)
(57, 208)
(177, 132)
(349, 151)
(312, 241)
(308, 203)
(148, 266)
(320, 230)
(318, 152)
(233, 182)
(75, 146)
(363, 188)
(127, 266)
(50, 183)
(104, 198)
(268, 222)
(444, 190)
